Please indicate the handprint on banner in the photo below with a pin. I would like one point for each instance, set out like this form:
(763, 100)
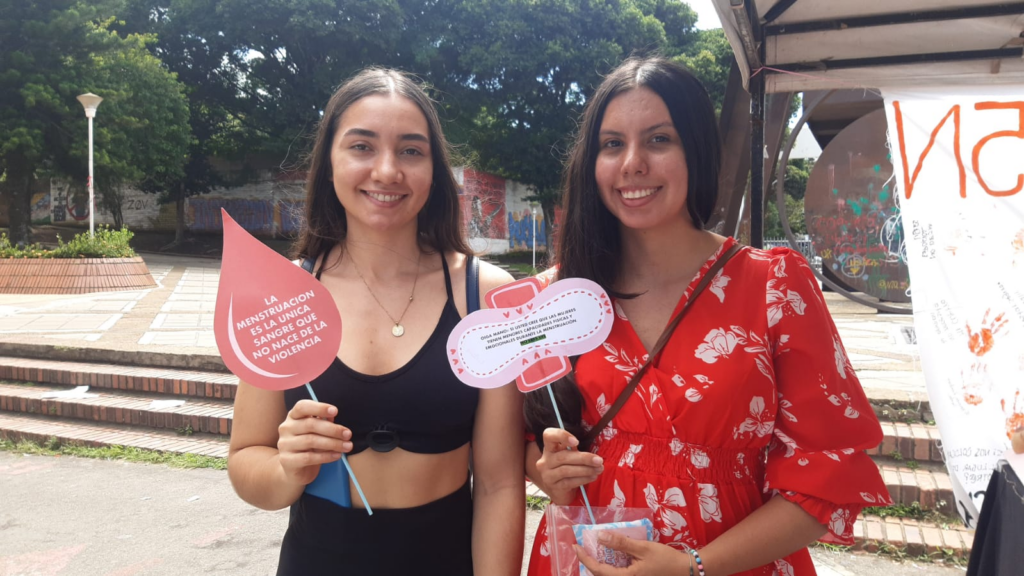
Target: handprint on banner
(976, 383)
(981, 342)
(1015, 416)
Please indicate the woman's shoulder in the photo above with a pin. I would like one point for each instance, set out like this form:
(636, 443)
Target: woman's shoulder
(490, 276)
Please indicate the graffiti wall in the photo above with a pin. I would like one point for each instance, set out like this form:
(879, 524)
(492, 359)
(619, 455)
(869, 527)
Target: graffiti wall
(494, 210)
(852, 215)
(269, 207)
(522, 224)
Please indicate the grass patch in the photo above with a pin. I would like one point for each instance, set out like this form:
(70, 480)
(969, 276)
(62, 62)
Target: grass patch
(912, 511)
(54, 447)
(106, 243)
(900, 554)
(521, 257)
(536, 502)
(832, 547)
(525, 269)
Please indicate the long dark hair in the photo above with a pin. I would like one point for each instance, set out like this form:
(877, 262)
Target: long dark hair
(589, 243)
(440, 220)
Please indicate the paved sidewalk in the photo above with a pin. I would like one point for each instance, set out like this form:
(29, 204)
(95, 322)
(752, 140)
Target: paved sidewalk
(138, 519)
(177, 318)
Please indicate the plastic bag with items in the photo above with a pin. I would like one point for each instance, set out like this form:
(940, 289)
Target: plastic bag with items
(570, 525)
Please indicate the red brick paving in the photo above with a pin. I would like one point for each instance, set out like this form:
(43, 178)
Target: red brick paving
(114, 376)
(118, 408)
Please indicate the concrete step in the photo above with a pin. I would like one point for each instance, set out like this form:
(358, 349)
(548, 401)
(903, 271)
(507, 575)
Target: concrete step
(119, 407)
(917, 442)
(41, 429)
(175, 382)
(95, 353)
(925, 483)
(912, 538)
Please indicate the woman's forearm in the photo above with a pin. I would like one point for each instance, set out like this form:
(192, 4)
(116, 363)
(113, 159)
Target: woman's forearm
(773, 531)
(499, 528)
(258, 478)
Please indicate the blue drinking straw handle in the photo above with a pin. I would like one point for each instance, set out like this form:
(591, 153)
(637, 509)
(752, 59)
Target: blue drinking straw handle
(561, 425)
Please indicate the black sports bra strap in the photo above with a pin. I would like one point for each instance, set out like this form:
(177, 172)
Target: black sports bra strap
(447, 279)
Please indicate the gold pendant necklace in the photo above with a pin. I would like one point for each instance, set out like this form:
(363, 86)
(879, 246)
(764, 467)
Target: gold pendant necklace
(397, 330)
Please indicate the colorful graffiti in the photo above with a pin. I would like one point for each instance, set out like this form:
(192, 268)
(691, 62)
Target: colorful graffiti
(852, 215)
(521, 229)
(256, 216)
(41, 208)
(78, 204)
(483, 205)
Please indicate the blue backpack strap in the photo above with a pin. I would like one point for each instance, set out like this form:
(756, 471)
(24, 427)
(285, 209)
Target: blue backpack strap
(308, 264)
(472, 284)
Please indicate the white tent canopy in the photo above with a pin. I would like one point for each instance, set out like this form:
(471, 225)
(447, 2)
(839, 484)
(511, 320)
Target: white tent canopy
(824, 44)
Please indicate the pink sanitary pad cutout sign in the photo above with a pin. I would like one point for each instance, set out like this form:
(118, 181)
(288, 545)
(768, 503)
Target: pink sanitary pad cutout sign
(528, 333)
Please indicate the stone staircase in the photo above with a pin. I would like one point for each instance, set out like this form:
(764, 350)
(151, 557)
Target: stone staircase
(183, 404)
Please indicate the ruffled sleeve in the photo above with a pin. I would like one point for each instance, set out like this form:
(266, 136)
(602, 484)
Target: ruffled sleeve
(824, 423)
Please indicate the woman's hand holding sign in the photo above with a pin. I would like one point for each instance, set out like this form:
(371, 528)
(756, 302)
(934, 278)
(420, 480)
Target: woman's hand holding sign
(561, 471)
(308, 437)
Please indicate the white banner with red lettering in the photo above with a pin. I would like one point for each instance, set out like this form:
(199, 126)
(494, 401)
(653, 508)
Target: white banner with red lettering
(958, 155)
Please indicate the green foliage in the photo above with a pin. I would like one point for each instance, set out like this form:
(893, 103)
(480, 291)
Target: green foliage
(54, 447)
(107, 243)
(536, 503)
(710, 58)
(50, 52)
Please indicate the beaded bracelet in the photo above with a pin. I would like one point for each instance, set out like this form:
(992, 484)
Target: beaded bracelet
(700, 565)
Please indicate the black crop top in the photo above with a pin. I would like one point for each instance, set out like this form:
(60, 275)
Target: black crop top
(421, 407)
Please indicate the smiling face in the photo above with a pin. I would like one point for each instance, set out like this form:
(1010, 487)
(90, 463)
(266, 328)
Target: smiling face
(381, 162)
(641, 169)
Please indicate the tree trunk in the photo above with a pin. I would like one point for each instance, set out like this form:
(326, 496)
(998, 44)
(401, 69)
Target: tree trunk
(549, 227)
(19, 200)
(179, 232)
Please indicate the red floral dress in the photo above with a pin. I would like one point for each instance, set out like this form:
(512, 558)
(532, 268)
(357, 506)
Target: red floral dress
(752, 396)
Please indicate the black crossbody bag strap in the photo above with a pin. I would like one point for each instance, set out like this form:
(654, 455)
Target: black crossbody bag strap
(665, 336)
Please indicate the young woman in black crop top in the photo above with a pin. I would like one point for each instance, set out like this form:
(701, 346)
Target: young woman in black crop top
(383, 229)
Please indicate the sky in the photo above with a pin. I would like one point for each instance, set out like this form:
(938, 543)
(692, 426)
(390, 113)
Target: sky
(706, 10)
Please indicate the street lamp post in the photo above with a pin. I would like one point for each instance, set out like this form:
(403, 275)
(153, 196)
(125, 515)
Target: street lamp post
(90, 102)
(533, 211)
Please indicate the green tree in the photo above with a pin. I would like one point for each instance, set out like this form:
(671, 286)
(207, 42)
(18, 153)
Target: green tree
(525, 68)
(710, 56)
(53, 50)
(795, 187)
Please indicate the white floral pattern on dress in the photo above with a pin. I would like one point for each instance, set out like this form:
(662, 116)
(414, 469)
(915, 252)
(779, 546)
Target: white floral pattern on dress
(842, 400)
(710, 509)
(699, 458)
(780, 300)
(760, 421)
(671, 520)
(840, 522)
(629, 456)
(676, 445)
(842, 362)
(718, 284)
(718, 343)
(783, 568)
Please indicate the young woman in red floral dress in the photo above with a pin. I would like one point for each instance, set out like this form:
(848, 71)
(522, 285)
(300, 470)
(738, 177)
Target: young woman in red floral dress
(745, 438)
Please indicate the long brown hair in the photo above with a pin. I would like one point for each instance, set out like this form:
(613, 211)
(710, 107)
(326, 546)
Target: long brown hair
(589, 238)
(439, 222)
